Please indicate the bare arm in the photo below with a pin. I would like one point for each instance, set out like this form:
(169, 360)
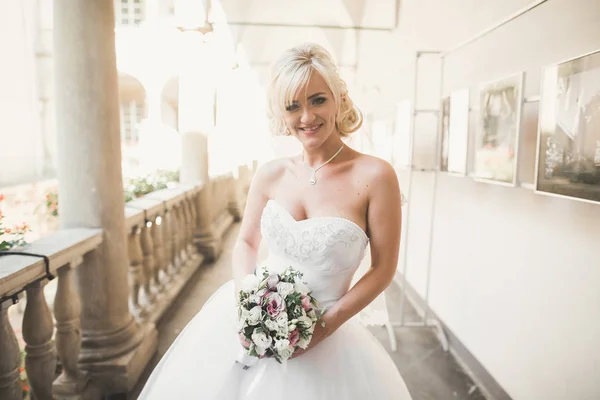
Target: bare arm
(384, 221)
(246, 247)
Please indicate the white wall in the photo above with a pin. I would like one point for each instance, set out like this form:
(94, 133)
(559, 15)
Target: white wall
(514, 275)
(21, 151)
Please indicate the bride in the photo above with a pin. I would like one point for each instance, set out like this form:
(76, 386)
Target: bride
(317, 211)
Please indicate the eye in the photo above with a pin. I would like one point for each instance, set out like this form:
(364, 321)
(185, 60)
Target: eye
(291, 107)
(319, 100)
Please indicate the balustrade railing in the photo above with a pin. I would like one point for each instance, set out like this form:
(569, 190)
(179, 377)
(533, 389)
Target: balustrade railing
(65, 250)
(166, 230)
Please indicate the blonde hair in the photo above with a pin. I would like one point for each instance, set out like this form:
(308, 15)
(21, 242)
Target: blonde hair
(293, 70)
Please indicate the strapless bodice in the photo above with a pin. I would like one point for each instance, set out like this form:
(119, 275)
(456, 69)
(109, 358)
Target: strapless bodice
(327, 250)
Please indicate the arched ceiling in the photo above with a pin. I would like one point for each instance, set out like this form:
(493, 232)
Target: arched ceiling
(264, 28)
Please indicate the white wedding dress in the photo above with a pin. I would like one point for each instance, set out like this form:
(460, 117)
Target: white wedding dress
(349, 365)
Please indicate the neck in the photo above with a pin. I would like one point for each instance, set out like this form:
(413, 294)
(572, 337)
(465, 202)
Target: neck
(317, 156)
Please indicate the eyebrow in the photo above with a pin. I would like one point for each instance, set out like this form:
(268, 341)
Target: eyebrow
(312, 96)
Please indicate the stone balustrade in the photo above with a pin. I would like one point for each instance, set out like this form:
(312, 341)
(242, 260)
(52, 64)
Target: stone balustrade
(66, 250)
(170, 233)
(162, 254)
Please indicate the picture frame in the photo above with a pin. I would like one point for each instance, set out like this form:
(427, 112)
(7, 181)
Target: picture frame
(496, 144)
(458, 132)
(568, 141)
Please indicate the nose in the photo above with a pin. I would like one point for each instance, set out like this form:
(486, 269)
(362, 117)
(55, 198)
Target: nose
(307, 116)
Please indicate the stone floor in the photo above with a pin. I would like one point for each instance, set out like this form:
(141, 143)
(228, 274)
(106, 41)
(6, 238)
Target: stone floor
(429, 372)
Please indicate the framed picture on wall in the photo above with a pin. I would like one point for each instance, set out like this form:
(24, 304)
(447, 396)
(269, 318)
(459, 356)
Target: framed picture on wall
(497, 137)
(568, 145)
(444, 131)
(402, 146)
(458, 132)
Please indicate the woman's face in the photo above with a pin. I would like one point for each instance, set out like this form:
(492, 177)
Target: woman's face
(312, 114)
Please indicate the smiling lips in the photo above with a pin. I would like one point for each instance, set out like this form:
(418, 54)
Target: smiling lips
(309, 130)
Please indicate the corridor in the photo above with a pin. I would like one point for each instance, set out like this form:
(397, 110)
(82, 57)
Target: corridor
(132, 130)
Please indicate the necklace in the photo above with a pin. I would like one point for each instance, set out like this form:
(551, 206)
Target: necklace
(313, 178)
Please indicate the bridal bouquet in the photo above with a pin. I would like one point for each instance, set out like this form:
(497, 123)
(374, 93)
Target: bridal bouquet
(277, 315)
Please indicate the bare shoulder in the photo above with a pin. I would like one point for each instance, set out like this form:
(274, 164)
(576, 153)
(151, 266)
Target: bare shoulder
(268, 174)
(379, 173)
(384, 207)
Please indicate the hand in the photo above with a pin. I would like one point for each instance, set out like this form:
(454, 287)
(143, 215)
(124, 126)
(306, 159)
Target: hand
(321, 333)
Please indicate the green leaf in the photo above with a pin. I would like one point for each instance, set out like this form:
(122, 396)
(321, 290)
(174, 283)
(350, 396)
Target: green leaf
(252, 350)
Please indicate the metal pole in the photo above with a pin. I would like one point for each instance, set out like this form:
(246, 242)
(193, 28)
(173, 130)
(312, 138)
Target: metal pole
(438, 146)
(499, 24)
(409, 189)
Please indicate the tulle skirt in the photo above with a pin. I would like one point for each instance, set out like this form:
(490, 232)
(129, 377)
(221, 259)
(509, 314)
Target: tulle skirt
(200, 364)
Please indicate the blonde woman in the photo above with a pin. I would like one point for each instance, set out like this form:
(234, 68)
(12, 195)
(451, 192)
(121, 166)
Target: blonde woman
(317, 212)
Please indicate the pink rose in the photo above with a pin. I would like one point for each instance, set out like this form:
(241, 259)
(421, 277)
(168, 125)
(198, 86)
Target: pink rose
(245, 342)
(274, 304)
(294, 337)
(306, 303)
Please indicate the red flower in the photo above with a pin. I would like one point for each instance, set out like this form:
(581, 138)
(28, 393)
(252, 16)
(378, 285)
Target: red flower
(1, 197)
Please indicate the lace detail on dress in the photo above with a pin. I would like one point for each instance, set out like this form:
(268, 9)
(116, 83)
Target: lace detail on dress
(312, 241)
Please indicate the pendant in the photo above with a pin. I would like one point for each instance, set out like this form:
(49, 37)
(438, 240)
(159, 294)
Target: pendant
(312, 181)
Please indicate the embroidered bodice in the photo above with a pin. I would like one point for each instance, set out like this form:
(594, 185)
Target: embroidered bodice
(327, 250)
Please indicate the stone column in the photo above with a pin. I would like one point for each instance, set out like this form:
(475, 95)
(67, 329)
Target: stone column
(196, 120)
(115, 349)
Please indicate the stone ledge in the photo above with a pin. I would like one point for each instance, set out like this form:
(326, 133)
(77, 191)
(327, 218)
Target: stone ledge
(62, 247)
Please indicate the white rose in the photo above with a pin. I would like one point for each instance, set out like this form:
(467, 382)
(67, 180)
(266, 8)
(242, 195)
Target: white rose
(261, 340)
(285, 288)
(282, 319)
(249, 283)
(254, 298)
(304, 321)
(284, 349)
(283, 331)
(303, 343)
(254, 315)
(271, 325)
(260, 350)
(282, 344)
(302, 288)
